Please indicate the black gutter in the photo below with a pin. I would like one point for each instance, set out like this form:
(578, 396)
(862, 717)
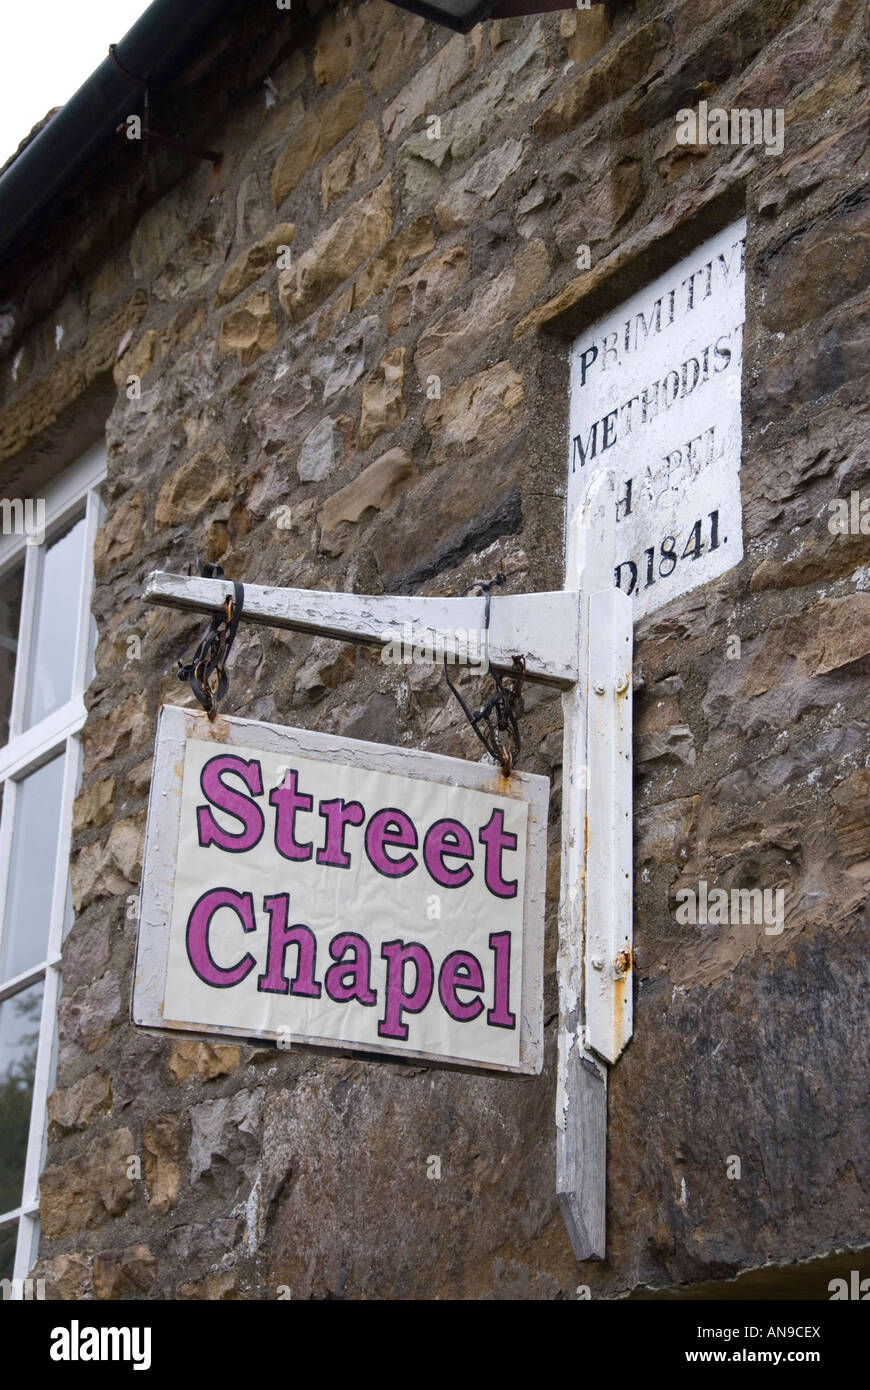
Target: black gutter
(156, 48)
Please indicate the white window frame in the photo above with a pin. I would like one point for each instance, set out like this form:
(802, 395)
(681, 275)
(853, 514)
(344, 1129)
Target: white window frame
(73, 494)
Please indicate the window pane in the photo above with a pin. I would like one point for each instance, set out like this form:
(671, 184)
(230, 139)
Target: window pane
(19, 1035)
(55, 625)
(31, 869)
(8, 1237)
(10, 614)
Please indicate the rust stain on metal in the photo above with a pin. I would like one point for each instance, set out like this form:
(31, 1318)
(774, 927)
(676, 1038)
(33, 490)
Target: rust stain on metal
(504, 785)
(219, 729)
(619, 985)
(622, 965)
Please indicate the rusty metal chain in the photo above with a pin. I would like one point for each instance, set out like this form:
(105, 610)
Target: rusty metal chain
(206, 670)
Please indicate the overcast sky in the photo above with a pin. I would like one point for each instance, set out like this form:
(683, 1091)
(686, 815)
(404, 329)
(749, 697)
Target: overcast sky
(47, 50)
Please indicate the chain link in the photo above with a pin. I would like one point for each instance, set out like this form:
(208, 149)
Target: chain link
(206, 670)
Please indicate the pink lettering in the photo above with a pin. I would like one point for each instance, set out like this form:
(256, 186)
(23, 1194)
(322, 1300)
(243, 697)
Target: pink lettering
(496, 839)
(398, 1001)
(288, 801)
(461, 970)
(198, 924)
(448, 839)
(338, 814)
(500, 1016)
(350, 978)
(391, 827)
(274, 981)
(235, 803)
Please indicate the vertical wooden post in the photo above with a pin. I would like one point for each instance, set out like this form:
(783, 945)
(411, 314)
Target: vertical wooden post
(588, 822)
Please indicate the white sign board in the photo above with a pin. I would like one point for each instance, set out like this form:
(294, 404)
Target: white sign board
(655, 396)
(312, 889)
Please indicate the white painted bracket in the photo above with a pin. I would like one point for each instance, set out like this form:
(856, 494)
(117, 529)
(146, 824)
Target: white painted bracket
(593, 1025)
(609, 825)
(577, 639)
(540, 627)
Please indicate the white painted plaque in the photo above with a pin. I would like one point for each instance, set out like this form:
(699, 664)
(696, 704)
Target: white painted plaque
(655, 395)
(313, 889)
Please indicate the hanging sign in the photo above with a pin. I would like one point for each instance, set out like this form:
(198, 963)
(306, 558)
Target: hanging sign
(655, 396)
(312, 889)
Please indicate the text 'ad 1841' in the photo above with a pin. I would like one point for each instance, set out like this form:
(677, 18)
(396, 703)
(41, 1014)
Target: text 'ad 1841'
(655, 396)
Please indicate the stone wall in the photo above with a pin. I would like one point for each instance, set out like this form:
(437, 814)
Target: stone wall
(390, 414)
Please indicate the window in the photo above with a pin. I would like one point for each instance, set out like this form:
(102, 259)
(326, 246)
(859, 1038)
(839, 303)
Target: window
(46, 645)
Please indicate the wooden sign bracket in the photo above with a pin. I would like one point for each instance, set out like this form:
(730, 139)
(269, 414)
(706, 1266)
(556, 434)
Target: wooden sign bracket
(580, 640)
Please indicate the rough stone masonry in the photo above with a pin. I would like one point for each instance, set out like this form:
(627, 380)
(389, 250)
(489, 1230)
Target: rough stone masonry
(387, 411)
